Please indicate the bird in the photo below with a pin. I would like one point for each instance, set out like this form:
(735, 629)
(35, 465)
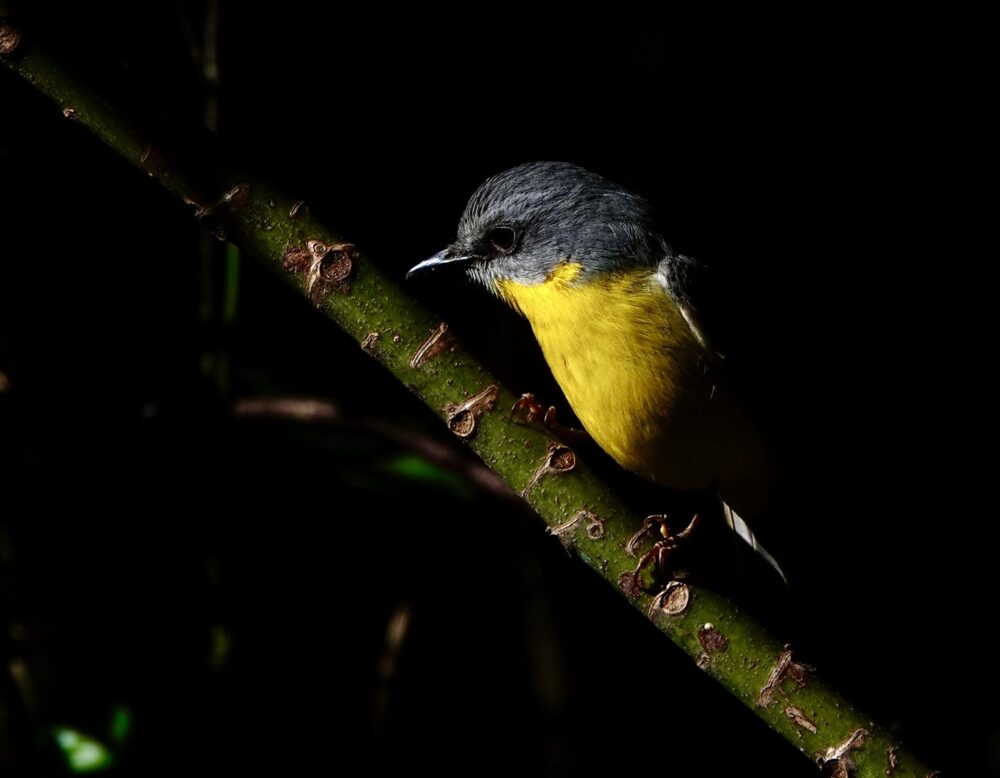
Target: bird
(613, 308)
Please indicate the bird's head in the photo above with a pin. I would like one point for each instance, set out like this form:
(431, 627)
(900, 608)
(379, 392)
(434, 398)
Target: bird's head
(524, 223)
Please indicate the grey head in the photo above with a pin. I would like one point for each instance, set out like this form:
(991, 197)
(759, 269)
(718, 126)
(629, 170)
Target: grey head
(523, 223)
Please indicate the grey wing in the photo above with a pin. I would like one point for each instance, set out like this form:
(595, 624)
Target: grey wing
(676, 274)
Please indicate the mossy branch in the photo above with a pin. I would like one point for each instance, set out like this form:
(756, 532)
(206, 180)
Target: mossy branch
(420, 351)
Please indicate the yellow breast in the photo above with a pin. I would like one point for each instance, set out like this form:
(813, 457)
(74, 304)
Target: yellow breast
(630, 366)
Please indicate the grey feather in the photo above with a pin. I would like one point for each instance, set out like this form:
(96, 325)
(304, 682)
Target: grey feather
(560, 213)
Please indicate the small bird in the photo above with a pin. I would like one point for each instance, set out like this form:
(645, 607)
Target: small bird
(610, 304)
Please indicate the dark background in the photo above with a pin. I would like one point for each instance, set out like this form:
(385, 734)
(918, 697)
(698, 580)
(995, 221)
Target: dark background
(225, 584)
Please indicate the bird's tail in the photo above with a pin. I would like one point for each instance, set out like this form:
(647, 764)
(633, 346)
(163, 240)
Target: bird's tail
(743, 531)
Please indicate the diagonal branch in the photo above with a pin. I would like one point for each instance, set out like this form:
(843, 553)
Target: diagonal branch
(420, 352)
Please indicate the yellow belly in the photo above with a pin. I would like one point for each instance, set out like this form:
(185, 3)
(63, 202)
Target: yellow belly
(631, 368)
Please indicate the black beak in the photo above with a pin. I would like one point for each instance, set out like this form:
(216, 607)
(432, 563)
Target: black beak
(446, 257)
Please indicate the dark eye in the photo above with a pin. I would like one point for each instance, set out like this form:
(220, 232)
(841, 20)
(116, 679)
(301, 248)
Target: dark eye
(503, 239)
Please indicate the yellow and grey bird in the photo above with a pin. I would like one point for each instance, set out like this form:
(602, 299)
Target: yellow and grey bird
(610, 304)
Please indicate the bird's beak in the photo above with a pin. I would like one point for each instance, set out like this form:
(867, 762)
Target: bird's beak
(446, 257)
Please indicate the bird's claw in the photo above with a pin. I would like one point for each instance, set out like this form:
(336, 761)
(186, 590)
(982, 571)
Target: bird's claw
(528, 410)
(660, 556)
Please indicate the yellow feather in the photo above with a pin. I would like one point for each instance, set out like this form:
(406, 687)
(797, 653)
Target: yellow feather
(631, 367)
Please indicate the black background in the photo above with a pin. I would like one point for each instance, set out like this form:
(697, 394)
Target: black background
(805, 153)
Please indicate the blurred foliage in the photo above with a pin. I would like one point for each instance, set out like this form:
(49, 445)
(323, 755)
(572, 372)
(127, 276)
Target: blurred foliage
(83, 754)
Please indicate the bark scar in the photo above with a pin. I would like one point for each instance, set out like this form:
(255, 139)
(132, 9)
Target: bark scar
(626, 582)
(673, 600)
(10, 37)
(595, 528)
(891, 760)
(800, 719)
(711, 639)
(837, 762)
(370, 343)
(325, 267)
(439, 340)
(784, 669)
(238, 196)
(463, 419)
(558, 459)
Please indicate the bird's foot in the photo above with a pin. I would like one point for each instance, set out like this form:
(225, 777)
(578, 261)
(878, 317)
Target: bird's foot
(660, 558)
(528, 410)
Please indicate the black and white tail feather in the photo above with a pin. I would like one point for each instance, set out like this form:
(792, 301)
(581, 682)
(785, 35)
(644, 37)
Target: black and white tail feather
(744, 533)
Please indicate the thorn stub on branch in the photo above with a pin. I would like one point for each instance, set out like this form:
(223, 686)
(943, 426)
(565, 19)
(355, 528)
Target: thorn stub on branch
(462, 423)
(296, 260)
(10, 37)
(239, 195)
(797, 717)
(673, 600)
(595, 528)
(462, 419)
(835, 769)
(558, 459)
(335, 262)
(439, 340)
(326, 267)
(891, 759)
(370, 343)
(561, 459)
(69, 112)
(711, 639)
(784, 669)
(837, 761)
(628, 585)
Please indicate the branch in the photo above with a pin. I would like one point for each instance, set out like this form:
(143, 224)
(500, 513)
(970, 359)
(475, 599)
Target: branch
(420, 351)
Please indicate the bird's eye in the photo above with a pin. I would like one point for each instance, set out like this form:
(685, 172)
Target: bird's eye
(503, 239)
